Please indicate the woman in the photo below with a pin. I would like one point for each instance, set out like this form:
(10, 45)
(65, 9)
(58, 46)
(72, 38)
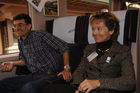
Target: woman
(105, 64)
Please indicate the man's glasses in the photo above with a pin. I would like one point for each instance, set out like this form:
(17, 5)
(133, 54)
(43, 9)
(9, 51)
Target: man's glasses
(19, 25)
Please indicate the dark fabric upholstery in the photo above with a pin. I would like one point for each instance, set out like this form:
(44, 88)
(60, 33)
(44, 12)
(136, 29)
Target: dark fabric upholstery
(110, 91)
(21, 70)
(49, 26)
(81, 29)
(75, 53)
(130, 27)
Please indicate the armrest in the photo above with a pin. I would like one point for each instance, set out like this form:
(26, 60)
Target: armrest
(110, 91)
(22, 70)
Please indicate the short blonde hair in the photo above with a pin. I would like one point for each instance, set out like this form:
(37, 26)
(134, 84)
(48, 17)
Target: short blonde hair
(110, 21)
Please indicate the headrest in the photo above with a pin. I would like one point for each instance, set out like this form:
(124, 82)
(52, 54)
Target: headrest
(64, 28)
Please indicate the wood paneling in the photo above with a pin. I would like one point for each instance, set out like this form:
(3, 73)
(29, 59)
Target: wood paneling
(78, 5)
(10, 8)
(14, 2)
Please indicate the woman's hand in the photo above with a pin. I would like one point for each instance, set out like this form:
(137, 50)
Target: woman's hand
(76, 91)
(87, 85)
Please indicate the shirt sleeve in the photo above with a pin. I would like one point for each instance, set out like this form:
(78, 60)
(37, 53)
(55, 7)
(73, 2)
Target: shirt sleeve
(55, 42)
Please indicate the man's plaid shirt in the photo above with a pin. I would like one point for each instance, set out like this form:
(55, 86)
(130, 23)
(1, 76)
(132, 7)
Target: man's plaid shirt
(42, 52)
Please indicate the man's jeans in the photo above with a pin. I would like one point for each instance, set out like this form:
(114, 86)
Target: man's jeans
(31, 83)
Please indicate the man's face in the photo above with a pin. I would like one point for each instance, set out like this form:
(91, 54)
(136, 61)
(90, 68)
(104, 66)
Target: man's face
(21, 28)
(100, 32)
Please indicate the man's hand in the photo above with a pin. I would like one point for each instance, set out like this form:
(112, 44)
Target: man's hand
(7, 66)
(87, 85)
(66, 75)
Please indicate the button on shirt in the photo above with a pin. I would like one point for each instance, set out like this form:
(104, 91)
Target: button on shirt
(42, 52)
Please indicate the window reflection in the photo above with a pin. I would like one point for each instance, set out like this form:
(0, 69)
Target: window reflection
(8, 38)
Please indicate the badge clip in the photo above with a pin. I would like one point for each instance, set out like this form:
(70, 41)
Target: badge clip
(108, 59)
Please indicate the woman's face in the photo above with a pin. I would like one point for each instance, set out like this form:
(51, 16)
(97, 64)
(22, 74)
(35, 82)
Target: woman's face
(99, 31)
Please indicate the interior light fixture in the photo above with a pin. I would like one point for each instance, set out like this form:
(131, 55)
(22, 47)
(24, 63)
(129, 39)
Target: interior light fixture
(106, 2)
(134, 5)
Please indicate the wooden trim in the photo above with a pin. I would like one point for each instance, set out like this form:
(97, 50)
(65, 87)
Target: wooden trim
(14, 2)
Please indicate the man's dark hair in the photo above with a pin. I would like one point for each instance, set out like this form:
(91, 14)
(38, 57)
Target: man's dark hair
(26, 18)
(110, 21)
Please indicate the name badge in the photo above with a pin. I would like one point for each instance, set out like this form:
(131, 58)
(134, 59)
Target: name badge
(92, 56)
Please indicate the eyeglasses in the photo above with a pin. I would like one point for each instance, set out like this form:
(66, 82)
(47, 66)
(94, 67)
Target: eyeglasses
(19, 25)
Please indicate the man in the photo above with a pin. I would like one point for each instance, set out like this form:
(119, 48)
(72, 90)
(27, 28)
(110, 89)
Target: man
(40, 52)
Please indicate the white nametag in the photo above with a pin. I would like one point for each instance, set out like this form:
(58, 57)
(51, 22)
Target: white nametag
(92, 56)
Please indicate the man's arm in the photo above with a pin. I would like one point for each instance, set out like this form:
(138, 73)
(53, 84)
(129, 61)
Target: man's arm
(19, 63)
(66, 72)
(66, 58)
(8, 66)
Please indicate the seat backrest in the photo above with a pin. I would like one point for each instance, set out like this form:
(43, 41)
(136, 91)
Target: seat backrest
(75, 53)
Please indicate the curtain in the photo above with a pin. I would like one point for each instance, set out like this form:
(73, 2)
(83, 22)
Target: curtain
(130, 27)
(81, 30)
(49, 26)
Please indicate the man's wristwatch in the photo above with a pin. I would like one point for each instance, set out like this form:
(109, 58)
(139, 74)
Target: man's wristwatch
(67, 67)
